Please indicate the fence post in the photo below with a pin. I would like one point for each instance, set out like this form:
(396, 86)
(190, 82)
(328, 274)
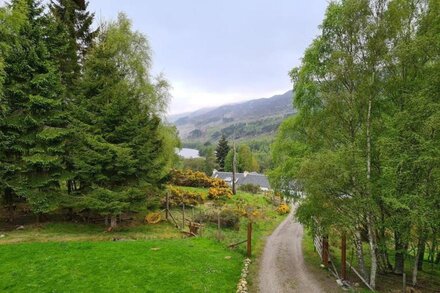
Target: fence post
(249, 239)
(325, 251)
(183, 216)
(167, 211)
(344, 256)
(404, 283)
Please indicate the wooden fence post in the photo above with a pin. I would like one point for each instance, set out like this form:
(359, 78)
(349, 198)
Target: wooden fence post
(325, 251)
(167, 211)
(344, 256)
(404, 283)
(183, 216)
(249, 239)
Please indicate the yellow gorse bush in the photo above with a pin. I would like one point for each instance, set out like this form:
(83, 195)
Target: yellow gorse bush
(219, 192)
(283, 209)
(195, 179)
(179, 196)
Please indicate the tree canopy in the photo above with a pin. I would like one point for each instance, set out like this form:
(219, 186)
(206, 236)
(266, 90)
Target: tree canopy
(81, 122)
(365, 143)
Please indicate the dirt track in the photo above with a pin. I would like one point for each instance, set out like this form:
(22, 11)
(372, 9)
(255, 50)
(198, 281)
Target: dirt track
(282, 265)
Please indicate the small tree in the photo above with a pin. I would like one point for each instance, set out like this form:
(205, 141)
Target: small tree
(221, 152)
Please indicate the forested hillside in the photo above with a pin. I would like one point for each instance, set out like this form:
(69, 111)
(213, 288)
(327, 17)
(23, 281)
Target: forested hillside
(247, 120)
(365, 143)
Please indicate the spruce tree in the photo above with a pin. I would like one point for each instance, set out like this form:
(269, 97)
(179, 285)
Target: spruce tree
(118, 156)
(221, 152)
(33, 125)
(73, 37)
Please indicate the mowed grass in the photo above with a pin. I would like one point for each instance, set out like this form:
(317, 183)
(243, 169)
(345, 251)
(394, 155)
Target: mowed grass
(173, 265)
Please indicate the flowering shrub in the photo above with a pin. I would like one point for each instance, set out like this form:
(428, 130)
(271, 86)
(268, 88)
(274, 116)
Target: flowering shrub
(178, 196)
(153, 218)
(195, 179)
(283, 209)
(219, 192)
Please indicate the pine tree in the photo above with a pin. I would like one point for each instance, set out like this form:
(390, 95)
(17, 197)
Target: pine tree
(12, 19)
(72, 38)
(33, 125)
(119, 153)
(222, 151)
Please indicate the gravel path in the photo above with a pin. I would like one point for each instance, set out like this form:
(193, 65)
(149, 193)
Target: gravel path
(282, 266)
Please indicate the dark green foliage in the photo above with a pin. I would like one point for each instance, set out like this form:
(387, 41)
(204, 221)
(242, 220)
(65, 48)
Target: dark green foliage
(72, 37)
(221, 152)
(116, 154)
(74, 116)
(34, 124)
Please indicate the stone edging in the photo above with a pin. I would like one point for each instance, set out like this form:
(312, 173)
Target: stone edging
(242, 284)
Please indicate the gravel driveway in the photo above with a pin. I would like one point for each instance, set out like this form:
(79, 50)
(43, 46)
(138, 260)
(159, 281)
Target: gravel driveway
(282, 266)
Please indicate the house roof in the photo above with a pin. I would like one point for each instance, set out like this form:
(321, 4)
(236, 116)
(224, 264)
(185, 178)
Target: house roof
(243, 178)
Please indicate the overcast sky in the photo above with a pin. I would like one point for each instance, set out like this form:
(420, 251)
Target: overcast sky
(221, 51)
(215, 52)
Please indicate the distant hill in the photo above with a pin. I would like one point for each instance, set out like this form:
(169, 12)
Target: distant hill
(247, 120)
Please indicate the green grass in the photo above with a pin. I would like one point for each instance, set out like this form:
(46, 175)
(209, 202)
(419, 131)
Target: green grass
(74, 257)
(180, 265)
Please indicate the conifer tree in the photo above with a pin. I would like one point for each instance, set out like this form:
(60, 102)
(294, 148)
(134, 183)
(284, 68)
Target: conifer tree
(119, 155)
(73, 37)
(33, 125)
(221, 152)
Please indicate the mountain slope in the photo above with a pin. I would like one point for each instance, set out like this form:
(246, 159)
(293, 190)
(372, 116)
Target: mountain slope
(246, 120)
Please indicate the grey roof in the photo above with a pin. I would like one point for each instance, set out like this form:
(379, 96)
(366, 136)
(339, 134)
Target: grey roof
(243, 178)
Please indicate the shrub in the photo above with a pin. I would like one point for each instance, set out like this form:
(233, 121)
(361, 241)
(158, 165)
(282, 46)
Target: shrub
(178, 196)
(283, 209)
(153, 218)
(219, 193)
(195, 179)
(251, 188)
(228, 218)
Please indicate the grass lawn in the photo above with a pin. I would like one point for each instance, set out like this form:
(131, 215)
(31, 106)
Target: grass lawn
(78, 257)
(179, 265)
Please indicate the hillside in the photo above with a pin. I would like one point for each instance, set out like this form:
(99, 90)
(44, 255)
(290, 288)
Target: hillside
(248, 120)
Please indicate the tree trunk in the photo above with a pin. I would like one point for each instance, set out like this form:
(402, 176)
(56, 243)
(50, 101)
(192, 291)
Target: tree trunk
(373, 249)
(372, 237)
(421, 248)
(433, 248)
(8, 198)
(113, 221)
(106, 220)
(416, 263)
(360, 254)
(399, 256)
